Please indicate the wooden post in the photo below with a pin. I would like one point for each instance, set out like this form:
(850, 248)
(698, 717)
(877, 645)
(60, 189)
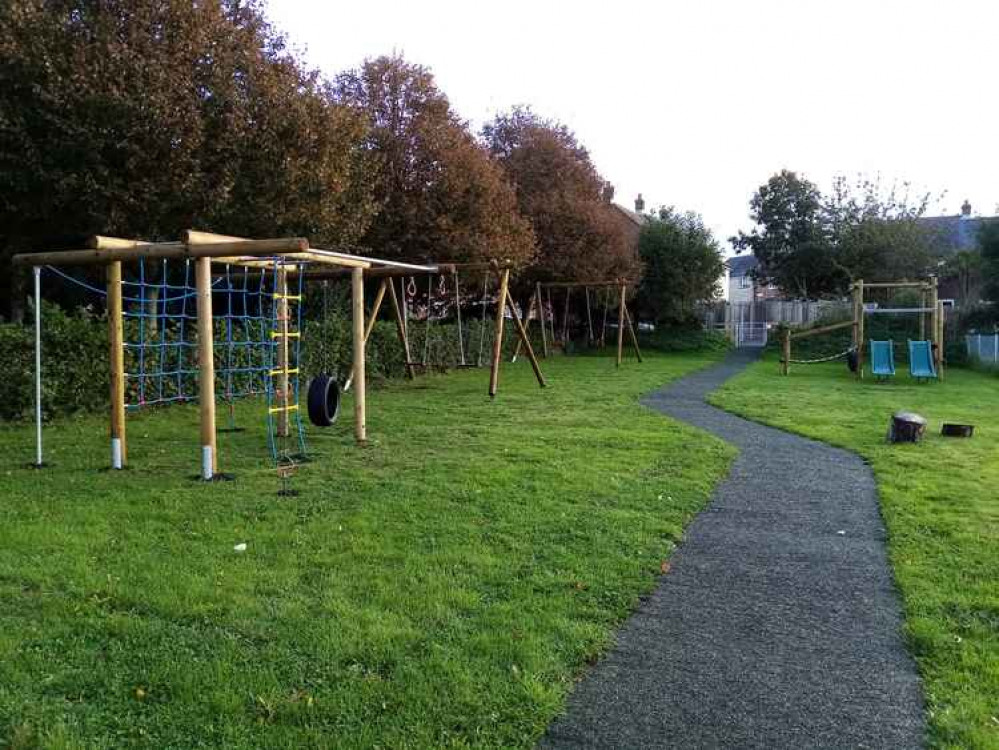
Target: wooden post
(631, 332)
(375, 309)
(565, 317)
(400, 326)
(283, 318)
(498, 340)
(206, 369)
(620, 326)
(372, 319)
(152, 313)
(922, 315)
(786, 361)
(860, 328)
(541, 318)
(116, 339)
(527, 326)
(551, 319)
(522, 333)
(589, 316)
(360, 391)
(603, 325)
(935, 344)
(941, 320)
(853, 316)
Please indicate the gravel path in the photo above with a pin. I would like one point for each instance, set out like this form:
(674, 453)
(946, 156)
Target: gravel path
(778, 625)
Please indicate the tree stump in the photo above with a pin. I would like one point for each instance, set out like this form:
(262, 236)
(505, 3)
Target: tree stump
(906, 427)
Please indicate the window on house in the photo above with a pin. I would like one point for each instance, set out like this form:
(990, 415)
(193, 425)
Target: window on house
(744, 282)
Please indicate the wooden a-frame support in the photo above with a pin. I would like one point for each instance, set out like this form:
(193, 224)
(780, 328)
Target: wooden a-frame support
(504, 304)
(624, 317)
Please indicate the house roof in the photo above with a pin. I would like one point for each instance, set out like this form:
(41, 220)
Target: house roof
(956, 233)
(639, 219)
(741, 265)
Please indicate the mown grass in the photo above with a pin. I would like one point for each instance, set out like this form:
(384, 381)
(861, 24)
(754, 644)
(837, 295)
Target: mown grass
(940, 501)
(441, 587)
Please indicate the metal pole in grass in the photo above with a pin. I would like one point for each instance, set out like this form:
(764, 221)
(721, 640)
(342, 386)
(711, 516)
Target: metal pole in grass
(38, 366)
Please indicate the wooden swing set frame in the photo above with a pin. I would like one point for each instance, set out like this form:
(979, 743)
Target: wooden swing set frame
(504, 305)
(548, 322)
(931, 313)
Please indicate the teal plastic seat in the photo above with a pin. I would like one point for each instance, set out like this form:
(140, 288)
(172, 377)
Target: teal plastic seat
(883, 359)
(921, 360)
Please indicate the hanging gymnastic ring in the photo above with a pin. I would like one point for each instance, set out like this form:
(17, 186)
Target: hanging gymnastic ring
(324, 400)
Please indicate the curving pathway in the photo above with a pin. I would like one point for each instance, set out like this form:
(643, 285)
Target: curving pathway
(778, 625)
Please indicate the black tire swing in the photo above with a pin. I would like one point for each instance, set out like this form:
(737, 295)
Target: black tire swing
(324, 400)
(324, 389)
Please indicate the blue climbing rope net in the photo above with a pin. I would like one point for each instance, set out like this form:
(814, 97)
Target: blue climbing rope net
(161, 345)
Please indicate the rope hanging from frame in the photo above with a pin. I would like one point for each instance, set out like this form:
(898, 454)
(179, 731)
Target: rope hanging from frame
(830, 358)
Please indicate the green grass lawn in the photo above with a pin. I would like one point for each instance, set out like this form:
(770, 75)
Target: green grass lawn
(940, 500)
(441, 587)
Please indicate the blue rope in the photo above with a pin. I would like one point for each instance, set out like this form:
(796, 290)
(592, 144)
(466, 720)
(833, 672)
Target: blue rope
(183, 311)
(142, 331)
(162, 341)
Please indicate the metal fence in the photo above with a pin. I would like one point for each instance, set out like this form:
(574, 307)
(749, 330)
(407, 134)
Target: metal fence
(717, 314)
(750, 334)
(747, 323)
(983, 348)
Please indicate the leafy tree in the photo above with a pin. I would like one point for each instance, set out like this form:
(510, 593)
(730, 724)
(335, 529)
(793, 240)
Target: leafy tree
(788, 240)
(563, 196)
(682, 263)
(966, 266)
(988, 240)
(439, 195)
(812, 245)
(142, 117)
(876, 231)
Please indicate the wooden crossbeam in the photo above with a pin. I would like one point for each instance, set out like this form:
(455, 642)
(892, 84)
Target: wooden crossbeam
(821, 329)
(161, 250)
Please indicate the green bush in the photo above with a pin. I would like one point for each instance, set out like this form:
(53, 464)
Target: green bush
(75, 357)
(74, 365)
(684, 340)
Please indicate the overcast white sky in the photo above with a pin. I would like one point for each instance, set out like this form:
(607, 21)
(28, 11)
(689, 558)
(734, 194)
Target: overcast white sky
(695, 103)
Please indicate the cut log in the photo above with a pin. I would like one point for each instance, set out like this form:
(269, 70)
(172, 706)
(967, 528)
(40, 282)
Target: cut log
(906, 427)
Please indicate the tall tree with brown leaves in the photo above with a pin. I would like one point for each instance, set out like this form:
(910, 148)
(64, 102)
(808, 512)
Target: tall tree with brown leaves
(143, 117)
(439, 194)
(560, 191)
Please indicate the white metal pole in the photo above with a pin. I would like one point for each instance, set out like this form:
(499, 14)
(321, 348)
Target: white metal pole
(38, 365)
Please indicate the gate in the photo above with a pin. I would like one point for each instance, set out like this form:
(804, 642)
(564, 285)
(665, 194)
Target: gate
(750, 334)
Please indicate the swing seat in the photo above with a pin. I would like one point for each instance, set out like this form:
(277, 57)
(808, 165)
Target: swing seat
(921, 360)
(324, 400)
(882, 359)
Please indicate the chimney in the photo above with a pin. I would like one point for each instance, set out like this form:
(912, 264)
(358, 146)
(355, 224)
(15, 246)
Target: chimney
(608, 192)
(639, 204)
(966, 209)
